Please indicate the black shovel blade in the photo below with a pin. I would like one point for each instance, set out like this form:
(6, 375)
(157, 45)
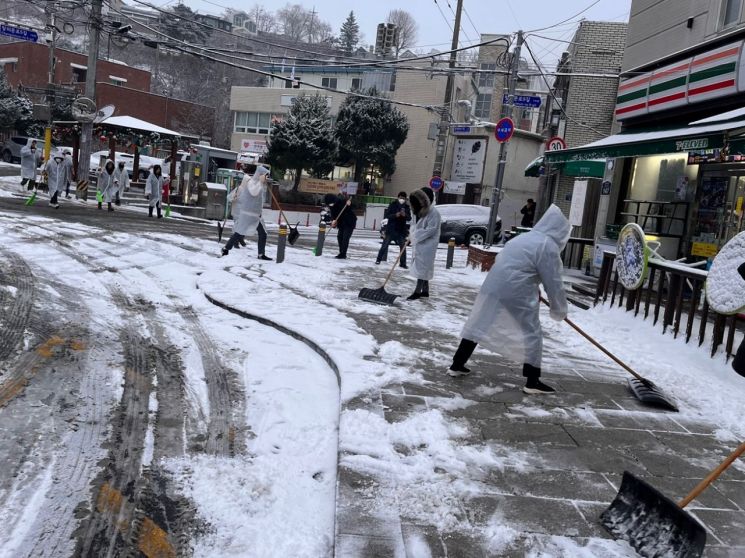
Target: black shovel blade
(649, 394)
(293, 235)
(378, 296)
(654, 525)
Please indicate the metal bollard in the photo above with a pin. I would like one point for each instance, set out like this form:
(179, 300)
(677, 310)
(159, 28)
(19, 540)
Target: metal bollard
(281, 243)
(321, 239)
(451, 253)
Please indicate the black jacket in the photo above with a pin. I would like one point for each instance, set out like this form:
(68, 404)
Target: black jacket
(528, 216)
(397, 224)
(348, 219)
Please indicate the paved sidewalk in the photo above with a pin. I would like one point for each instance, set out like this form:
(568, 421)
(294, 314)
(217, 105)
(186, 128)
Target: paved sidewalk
(561, 457)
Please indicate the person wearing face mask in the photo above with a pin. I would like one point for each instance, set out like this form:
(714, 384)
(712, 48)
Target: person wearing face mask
(30, 160)
(396, 229)
(154, 190)
(121, 176)
(56, 178)
(247, 203)
(106, 184)
(424, 239)
(505, 316)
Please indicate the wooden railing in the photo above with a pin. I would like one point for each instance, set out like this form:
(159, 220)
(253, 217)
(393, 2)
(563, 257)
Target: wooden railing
(675, 294)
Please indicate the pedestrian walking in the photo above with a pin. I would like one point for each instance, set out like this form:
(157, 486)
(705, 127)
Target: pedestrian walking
(344, 222)
(70, 172)
(247, 204)
(31, 158)
(505, 316)
(398, 214)
(154, 190)
(122, 182)
(425, 237)
(56, 171)
(528, 212)
(106, 186)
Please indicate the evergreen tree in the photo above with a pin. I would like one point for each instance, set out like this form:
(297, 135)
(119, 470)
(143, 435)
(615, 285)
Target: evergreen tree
(370, 131)
(304, 140)
(349, 35)
(180, 24)
(15, 112)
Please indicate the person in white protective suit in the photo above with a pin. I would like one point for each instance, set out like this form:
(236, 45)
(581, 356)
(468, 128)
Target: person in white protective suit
(505, 316)
(424, 238)
(248, 201)
(154, 191)
(122, 181)
(106, 184)
(56, 170)
(30, 160)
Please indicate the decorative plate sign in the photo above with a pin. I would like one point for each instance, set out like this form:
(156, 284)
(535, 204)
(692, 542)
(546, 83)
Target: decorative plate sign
(631, 256)
(725, 285)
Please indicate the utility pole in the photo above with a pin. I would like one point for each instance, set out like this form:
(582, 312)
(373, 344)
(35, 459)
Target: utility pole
(506, 113)
(444, 128)
(86, 130)
(50, 8)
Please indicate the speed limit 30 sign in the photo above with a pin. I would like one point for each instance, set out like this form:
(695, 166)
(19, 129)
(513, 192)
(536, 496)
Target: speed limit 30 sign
(556, 144)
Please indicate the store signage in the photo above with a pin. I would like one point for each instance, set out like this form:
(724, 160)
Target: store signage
(704, 156)
(456, 188)
(254, 146)
(468, 160)
(688, 145)
(704, 249)
(320, 186)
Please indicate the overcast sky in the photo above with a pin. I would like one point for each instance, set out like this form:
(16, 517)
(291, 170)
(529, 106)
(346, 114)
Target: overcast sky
(435, 28)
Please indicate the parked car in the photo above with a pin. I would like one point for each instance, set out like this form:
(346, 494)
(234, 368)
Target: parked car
(146, 163)
(467, 223)
(10, 151)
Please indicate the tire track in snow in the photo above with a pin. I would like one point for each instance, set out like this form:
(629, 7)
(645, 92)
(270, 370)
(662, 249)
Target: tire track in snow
(16, 306)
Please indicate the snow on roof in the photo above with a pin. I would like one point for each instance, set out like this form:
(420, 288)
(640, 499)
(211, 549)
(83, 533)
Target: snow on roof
(729, 115)
(687, 131)
(137, 124)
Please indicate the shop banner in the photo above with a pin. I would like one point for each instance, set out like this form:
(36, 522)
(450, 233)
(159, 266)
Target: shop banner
(320, 186)
(577, 210)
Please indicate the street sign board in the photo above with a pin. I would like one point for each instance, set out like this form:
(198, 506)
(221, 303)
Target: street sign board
(556, 144)
(526, 101)
(461, 129)
(436, 183)
(504, 130)
(468, 160)
(18, 33)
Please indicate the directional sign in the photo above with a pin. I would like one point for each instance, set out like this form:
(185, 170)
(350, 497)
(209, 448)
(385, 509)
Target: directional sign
(461, 129)
(527, 101)
(556, 144)
(436, 183)
(504, 130)
(18, 33)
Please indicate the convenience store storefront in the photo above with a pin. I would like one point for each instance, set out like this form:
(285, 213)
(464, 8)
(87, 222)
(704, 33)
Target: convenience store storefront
(685, 186)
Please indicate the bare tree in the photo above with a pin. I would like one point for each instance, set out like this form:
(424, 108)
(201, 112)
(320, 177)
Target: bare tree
(407, 29)
(293, 21)
(265, 20)
(321, 32)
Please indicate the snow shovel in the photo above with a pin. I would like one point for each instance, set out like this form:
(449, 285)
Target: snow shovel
(294, 234)
(379, 296)
(654, 524)
(220, 228)
(644, 390)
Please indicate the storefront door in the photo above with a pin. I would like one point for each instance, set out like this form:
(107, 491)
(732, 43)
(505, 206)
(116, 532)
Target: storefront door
(718, 216)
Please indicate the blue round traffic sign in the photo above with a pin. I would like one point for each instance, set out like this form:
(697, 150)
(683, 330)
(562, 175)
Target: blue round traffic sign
(436, 183)
(504, 130)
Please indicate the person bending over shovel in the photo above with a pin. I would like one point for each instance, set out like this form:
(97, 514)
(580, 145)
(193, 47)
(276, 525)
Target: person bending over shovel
(248, 200)
(505, 315)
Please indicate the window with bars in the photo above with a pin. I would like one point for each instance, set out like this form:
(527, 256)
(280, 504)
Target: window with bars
(483, 105)
(356, 84)
(487, 80)
(253, 122)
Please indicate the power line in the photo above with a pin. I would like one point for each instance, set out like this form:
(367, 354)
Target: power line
(468, 16)
(596, 2)
(553, 95)
(452, 11)
(443, 16)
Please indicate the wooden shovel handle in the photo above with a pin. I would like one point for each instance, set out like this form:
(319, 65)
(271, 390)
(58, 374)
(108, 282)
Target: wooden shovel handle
(282, 213)
(343, 209)
(398, 258)
(714, 475)
(605, 351)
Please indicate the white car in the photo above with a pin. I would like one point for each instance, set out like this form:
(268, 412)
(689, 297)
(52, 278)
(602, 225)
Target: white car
(146, 163)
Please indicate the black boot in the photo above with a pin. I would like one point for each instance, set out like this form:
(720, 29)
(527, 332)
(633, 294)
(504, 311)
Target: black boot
(533, 385)
(110, 208)
(150, 211)
(100, 205)
(118, 201)
(461, 356)
(160, 215)
(265, 258)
